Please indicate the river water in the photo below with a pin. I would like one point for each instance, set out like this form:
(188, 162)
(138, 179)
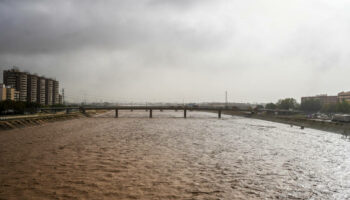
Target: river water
(168, 157)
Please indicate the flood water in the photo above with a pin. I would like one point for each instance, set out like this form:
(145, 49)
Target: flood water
(168, 157)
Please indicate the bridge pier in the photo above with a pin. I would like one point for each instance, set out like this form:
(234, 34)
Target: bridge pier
(150, 113)
(219, 114)
(67, 111)
(116, 113)
(185, 113)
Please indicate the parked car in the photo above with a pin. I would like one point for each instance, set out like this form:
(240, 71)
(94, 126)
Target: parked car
(341, 118)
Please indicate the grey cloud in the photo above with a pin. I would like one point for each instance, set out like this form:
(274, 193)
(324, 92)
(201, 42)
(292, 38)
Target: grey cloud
(31, 27)
(37, 28)
(180, 4)
(179, 49)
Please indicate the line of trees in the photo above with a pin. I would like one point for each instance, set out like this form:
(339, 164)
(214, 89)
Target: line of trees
(17, 107)
(314, 105)
(340, 107)
(310, 105)
(285, 104)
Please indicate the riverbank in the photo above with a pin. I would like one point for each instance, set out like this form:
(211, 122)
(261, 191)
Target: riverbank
(300, 120)
(25, 121)
(22, 121)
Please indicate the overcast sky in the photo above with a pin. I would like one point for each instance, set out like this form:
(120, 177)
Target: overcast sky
(175, 50)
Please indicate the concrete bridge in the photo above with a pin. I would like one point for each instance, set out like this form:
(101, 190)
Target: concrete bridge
(150, 109)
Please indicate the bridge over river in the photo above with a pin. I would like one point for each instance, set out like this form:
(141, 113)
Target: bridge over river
(150, 109)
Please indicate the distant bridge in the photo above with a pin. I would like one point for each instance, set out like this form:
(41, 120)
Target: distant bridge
(219, 110)
(146, 108)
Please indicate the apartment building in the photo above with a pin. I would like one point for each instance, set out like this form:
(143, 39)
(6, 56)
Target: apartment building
(32, 88)
(344, 96)
(23, 86)
(49, 92)
(16, 95)
(323, 98)
(55, 92)
(2, 92)
(17, 80)
(12, 94)
(41, 90)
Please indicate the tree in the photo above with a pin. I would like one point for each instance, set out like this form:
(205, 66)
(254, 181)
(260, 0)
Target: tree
(259, 107)
(343, 107)
(329, 108)
(17, 107)
(340, 107)
(288, 103)
(311, 105)
(271, 106)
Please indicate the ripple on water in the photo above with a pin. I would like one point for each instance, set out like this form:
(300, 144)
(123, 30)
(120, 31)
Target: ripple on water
(168, 157)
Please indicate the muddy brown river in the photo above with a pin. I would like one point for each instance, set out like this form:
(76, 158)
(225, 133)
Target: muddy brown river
(168, 157)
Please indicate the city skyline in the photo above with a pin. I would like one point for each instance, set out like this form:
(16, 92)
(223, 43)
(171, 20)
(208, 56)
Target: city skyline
(175, 51)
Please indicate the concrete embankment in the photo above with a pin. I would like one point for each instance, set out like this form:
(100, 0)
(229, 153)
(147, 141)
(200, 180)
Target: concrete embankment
(12, 122)
(24, 121)
(297, 120)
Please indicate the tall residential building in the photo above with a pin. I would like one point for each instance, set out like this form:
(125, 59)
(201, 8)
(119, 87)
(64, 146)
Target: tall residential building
(16, 95)
(2, 92)
(12, 94)
(41, 90)
(49, 92)
(55, 92)
(32, 88)
(18, 80)
(344, 96)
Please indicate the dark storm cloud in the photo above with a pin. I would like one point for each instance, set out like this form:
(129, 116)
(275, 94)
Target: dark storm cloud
(31, 27)
(51, 26)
